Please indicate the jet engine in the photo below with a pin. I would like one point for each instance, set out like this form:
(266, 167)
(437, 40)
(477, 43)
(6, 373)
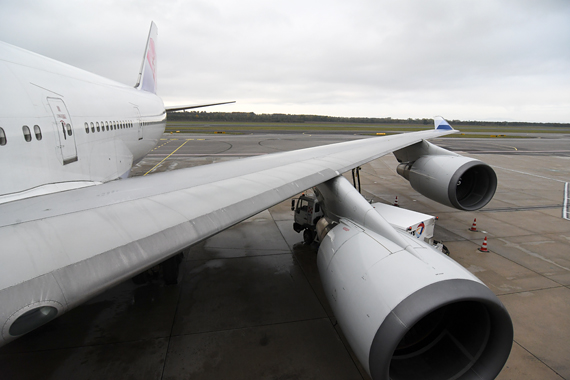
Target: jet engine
(456, 181)
(412, 315)
(407, 310)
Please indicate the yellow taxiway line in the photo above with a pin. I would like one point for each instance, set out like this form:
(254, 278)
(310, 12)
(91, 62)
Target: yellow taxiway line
(165, 158)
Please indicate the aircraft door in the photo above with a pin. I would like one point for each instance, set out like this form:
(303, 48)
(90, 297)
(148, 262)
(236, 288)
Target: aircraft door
(139, 121)
(64, 130)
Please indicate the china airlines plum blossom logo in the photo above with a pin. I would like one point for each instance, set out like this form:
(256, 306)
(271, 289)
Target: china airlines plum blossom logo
(151, 58)
(420, 229)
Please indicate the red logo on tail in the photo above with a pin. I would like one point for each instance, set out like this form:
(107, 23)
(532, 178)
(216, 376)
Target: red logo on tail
(151, 58)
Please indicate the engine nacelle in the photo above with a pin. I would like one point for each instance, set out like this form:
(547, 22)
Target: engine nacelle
(411, 313)
(453, 180)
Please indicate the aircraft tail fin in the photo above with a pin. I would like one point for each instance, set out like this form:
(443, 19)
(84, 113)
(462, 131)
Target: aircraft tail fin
(147, 74)
(440, 123)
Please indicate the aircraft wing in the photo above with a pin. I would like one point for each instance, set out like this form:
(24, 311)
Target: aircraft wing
(61, 249)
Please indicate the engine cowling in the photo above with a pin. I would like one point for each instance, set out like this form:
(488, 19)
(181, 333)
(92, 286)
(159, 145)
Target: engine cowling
(411, 313)
(453, 180)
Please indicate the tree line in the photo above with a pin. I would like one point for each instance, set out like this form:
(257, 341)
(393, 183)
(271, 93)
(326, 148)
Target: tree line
(290, 118)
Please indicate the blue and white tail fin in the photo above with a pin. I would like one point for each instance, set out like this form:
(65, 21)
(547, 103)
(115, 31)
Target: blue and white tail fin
(147, 74)
(440, 123)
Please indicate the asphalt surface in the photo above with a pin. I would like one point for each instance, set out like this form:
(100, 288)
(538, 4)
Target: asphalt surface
(249, 303)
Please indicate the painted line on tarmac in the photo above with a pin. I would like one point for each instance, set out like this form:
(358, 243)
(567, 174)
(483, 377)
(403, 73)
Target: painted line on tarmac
(165, 158)
(566, 200)
(530, 174)
(522, 208)
(521, 152)
(565, 211)
(206, 154)
(517, 151)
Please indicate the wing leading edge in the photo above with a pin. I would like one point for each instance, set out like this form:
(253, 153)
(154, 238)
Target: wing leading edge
(62, 249)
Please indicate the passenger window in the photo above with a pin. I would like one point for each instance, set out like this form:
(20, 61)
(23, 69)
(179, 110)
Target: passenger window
(2, 137)
(27, 134)
(97, 124)
(115, 125)
(38, 132)
(92, 127)
(86, 128)
(69, 130)
(107, 125)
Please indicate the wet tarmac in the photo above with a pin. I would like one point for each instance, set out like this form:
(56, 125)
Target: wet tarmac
(249, 303)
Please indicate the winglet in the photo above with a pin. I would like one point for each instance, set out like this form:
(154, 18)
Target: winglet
(147, 74)
(440, 123)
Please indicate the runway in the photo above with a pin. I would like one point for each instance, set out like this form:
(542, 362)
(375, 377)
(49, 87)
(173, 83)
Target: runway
(249, 303)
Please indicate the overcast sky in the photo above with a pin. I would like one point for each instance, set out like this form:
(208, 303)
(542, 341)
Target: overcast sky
(469, 60)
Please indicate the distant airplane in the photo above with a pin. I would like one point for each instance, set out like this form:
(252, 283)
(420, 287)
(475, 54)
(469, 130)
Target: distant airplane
(73, 225)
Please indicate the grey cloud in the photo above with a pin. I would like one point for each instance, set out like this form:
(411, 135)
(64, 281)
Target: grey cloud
(467, 60)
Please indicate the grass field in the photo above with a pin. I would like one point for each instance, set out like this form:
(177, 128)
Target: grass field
(468, 131)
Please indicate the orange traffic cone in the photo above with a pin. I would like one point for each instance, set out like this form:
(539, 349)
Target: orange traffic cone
(484, 246)
(396, 202)
(474, 226)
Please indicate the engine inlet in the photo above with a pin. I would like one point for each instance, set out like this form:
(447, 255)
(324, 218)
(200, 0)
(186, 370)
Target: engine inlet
(466, 333)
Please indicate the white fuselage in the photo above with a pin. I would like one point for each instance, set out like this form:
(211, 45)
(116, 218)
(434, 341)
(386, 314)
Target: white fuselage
(62, 127)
